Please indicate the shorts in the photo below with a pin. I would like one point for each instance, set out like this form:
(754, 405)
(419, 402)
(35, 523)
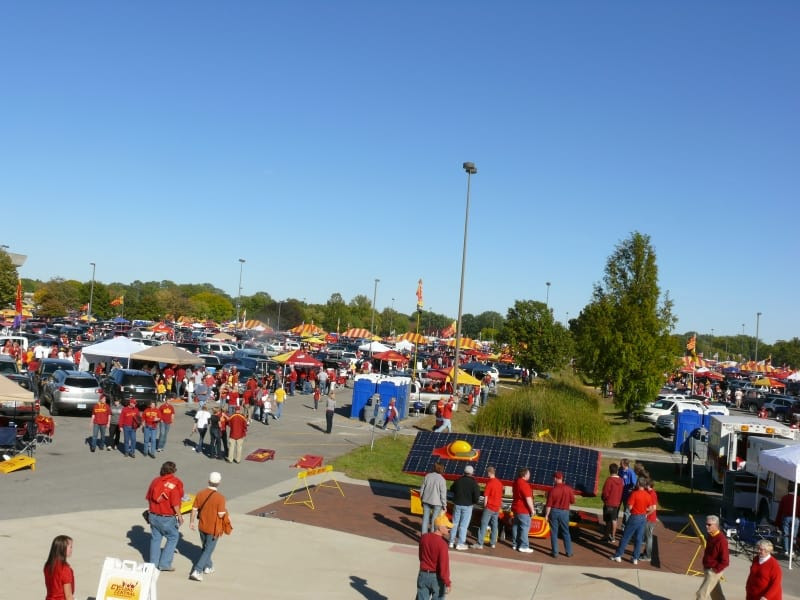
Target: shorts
(610, 513)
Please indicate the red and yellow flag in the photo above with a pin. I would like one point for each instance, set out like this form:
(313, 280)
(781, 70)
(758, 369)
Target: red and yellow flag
(449, 331)
(18, 303)
(692, 343)
(118, 300)
(419, 295)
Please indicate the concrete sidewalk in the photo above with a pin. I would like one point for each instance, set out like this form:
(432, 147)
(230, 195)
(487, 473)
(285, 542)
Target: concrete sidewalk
(268, 557)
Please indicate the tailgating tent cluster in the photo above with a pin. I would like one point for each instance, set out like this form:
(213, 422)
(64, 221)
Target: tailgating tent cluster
(784, 461)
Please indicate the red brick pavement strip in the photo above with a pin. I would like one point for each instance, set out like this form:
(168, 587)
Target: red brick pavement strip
(384, 513)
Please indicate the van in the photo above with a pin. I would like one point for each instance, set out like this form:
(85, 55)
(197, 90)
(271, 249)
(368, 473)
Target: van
(20, 339)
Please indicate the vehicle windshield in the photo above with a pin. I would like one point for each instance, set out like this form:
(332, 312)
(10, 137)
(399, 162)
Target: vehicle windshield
(663, 404)
(80, 382)
(6, 366)
(139, 381)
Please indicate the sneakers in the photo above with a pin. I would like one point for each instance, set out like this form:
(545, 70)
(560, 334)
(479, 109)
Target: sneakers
(477, 547)
(644, 558)
(526, 550)
(452, 546)
(208, 570)
(616, 559)
(462, 547)
(196, 576)
(490, 546)
(634, 561)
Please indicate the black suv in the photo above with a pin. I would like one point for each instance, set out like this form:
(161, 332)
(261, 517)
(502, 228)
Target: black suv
(124, 384)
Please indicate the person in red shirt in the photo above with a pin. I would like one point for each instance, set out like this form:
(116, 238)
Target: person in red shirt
(180, 376)
(783, 518)
(166, 414)
(652, 519)
(447, 414)
(433, 579)
(292, 379)
(151, 417)
(492, 502)
(640, 505)
(101, 414)
(59, 579)
(164, 497)
(237, 424)
(715, 560)
(129, 419)
(764, 580)
(557, 513)
(522, 507)
(317, 395)
(612, 499)
(223, 431)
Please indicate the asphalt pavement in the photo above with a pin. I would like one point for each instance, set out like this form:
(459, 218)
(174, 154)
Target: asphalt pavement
(97, 499)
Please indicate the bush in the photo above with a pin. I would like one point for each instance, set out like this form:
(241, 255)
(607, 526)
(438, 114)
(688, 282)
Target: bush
(570, 413)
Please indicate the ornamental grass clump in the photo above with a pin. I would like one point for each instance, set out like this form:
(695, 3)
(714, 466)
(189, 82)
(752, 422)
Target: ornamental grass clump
(570, 413)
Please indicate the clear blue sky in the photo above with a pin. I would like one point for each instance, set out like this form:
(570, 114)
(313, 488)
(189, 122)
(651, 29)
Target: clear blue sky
(323, 143)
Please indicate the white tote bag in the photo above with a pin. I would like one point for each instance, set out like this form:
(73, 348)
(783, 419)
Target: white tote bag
(127, 580)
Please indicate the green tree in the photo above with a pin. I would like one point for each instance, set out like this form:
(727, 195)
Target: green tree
(623, 335)
(336, 313)
(208, 305)
(535, 339)
(8, 280)
(361, 312)
(786, 353)
(58, 297)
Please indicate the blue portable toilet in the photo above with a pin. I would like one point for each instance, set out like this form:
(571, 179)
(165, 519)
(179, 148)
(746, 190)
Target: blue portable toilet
(363, 390)
(685, 423)
(399, 391)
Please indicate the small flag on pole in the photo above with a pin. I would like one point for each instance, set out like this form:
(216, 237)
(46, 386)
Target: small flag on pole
(419, 295)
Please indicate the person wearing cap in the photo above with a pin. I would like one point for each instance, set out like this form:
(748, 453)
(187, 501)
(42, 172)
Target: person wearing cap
(237, 425)
(128, 420)
(522, 507)
(164, 498)
(433, 579)
(208, 513)
(466, 493)
(492, 503)
(101, 414)
(557, 513)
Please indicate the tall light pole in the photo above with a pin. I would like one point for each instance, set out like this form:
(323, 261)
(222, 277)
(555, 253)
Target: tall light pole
(547, 298)
(743, 340)
(239, 297)
(758, 319)
(471, 170)
(280, 303)
(374, 297)
(91, 297)
(391, 319)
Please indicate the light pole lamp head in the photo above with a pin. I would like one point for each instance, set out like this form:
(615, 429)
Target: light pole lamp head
(470, 168)
(241, 260)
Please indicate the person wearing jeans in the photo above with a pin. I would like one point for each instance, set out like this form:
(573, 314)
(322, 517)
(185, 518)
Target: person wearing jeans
(522, 507)
(164, 506)
(433, 496)
(640, 505)
(492, 502)
(128, 419)
(466, 494)
(101, 414)
(557, 513)
(207, 514)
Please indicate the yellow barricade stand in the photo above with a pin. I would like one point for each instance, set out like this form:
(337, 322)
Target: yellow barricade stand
(303, 476)
(701, 545)
(18, 462)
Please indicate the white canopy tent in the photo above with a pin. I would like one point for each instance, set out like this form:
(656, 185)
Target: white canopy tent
(118, 347)
(784, 461)
(373, 347)
(404, 346)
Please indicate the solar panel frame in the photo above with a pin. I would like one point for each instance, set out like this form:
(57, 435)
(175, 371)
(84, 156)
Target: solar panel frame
(581, 466)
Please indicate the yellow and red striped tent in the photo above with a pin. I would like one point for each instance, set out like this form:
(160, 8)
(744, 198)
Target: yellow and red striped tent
(465, 343)
(306, 329)
(357, 332)
(413, 337)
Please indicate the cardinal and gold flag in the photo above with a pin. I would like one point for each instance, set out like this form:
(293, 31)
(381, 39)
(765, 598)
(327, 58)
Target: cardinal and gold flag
(419, 295)
(118, 300)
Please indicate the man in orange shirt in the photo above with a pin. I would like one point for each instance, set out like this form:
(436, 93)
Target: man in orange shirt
(150, 416)
(101, 414)
(237, 424)
(208, 513)
(492, 502)
(166, 415)
(640, 504)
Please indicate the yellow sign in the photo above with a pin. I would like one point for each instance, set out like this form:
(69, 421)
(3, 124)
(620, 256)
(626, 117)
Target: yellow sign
(120, 588)
(317, 471)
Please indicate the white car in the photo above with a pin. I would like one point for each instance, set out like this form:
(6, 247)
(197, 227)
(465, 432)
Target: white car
(662, 406)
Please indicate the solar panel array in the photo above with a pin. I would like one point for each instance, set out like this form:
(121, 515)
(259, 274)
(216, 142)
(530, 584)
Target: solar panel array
(581, 466)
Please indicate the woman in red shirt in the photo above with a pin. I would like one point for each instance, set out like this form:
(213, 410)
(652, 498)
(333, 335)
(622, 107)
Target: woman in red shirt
(58, 576)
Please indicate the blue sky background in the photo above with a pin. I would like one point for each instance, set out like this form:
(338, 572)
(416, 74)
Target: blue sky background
(323, 143)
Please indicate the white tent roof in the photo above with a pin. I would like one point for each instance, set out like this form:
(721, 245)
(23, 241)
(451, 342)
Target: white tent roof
(374, 347)
(403, 345)
(784, 461)
(118, 347)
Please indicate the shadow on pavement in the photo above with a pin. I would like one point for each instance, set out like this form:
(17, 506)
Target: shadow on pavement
(360, 585)
(631, 589)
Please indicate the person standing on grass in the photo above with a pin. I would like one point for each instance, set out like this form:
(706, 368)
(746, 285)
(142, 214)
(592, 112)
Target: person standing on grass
(612, 499)
(715, 560)
(492, 503)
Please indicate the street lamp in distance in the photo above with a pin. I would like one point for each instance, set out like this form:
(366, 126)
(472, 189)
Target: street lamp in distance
(239, 297)
(91, 297)
(471, 170)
